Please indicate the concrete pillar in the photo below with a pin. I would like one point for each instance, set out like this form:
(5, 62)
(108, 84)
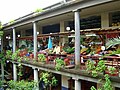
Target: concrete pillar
(35, 38)
(64, 82)
(36, 79)
(104, 20)
(62, 29)
(14, 40)
(2, 66)
(77, 38)
(14, 72)
(77, 85)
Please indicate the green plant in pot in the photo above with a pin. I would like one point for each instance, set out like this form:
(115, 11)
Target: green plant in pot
(100, 68)
(41, 58)
(112, 70)
(59, 64)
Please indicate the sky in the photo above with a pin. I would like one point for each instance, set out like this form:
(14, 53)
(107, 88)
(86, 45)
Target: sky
(13, 9)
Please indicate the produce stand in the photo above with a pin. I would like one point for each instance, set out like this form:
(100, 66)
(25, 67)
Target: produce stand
(100, 39)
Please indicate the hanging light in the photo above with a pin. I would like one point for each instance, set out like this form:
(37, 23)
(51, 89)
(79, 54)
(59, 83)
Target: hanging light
(68, 28)
(6, 37)
(18, 35)
(37, 33)
(9, 37)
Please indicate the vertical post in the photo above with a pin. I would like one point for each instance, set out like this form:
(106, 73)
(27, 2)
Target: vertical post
(77, 38)
(14, 72)
(77, 85)
(36, 77)
(35, 38)
(2, 66)
(14, 40)
(1, 43)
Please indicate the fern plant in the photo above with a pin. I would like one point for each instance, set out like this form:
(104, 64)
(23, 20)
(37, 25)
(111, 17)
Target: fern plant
(112, 42)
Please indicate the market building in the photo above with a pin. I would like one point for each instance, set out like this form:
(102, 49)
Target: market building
(79, 23)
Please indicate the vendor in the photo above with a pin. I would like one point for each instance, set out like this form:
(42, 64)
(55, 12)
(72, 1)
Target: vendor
(57, 49)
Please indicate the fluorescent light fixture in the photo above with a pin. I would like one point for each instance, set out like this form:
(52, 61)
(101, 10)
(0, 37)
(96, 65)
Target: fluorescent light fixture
(71, 36)
(91, 35)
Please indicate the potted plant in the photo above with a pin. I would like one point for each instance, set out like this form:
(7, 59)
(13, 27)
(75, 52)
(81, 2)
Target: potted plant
(59, 63)
(112, 71)
(41, 58)
(94, 70)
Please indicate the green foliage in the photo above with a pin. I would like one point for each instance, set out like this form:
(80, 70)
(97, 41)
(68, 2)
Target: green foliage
(25, 58)
(112, 42)
(93, 88)
(48, 79)
(21, 85)
(1, 83)
(90, 65)
(1, 26)
(38, 10)
(112, 70)
(69, 49)
(116, 52)
(107, 85)
(20, 69)
(12, 21)
(101, 66)
(96, 69)
(99, 69)
(59, 63)
(15, 55)
(8, 54)
(3, 58)
(41, 57)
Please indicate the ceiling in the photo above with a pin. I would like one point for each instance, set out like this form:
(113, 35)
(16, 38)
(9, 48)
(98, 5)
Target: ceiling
(96, 10)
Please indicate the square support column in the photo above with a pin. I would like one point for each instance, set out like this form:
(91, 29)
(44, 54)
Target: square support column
(77, 84)
(2, 65)
(14, 40)
(64, 80)
(35, 38)
(105, 20)
(14, 72)
(77, 38)
(63, 25)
